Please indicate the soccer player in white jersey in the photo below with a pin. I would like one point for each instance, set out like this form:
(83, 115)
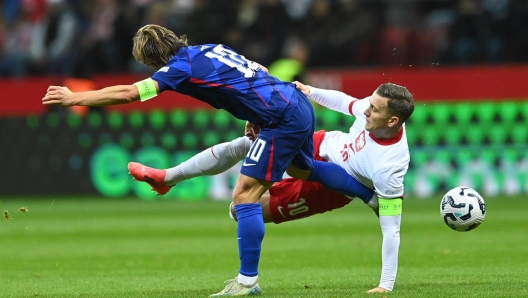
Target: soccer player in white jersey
(374, 152)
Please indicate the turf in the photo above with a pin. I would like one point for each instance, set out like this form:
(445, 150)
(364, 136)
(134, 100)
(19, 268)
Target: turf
(94, 247)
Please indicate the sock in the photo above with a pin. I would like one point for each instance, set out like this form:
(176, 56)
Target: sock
(250, 236)
(211, 161)
(336, 178)
(247, 280)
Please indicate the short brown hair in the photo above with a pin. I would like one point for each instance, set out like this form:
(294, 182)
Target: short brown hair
(155, 45)
(401, 101)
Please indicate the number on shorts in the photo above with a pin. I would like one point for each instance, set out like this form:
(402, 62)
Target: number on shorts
(256, 150)
(298, 207)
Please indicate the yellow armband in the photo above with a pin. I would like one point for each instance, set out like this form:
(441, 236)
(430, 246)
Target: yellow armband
(147, 89)
(390, 207)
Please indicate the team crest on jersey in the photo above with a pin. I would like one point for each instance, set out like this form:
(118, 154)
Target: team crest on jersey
(360, 141)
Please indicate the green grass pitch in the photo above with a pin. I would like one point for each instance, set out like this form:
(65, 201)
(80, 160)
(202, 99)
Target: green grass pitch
(93, 247)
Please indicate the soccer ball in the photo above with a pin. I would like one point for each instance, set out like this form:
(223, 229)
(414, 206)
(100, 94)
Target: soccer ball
(462, 209)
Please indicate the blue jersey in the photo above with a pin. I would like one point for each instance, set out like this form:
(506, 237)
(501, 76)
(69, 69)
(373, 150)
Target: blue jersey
(226, 80)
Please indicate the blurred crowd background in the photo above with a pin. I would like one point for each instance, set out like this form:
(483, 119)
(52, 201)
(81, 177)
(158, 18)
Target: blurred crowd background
(82, 38)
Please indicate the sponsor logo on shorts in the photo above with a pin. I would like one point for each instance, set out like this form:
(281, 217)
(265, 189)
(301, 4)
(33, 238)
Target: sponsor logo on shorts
(280, 211)
(245, 164)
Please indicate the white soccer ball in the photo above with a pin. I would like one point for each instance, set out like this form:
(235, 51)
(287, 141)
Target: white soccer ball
(462, 209)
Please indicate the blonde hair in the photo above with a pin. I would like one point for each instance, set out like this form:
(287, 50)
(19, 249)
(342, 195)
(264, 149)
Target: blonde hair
(154, 45)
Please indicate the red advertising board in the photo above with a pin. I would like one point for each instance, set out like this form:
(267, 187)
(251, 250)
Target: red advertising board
(23, 96)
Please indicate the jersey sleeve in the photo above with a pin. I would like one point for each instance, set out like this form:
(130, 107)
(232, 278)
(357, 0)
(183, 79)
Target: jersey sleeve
(390, 228)
(334, 100)
(170, 76)
(358, 107)
(388, 181)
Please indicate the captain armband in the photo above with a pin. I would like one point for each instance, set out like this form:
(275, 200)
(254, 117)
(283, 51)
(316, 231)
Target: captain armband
(389, 207)
(147, 89)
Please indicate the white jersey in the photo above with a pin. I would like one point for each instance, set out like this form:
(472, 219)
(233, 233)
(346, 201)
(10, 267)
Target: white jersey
(376, 163)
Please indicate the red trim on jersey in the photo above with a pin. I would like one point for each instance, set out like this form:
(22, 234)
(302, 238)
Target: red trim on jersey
(212, 152)
(350, 107)
(198, 81)
(389, 141)
(257, 94)
(277, 91)
(281, 95)
(270, 162)
(318, 138)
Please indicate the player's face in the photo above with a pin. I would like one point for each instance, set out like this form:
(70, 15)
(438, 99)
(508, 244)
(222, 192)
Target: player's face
(377, 113)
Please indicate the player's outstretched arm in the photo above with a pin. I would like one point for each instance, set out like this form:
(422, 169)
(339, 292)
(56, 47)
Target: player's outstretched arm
(332, 99)
(121, 94)
(58, 95)
(390, 210)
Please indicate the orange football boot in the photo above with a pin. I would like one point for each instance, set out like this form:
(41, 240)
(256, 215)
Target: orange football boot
(154, 177)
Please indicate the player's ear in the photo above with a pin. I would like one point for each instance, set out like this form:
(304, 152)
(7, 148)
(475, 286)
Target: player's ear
(394, 120)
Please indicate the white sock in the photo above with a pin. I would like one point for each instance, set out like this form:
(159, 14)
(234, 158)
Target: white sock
(211, 161)
(247, 280)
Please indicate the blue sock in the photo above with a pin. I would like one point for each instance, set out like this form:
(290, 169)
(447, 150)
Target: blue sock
(250, 236)
(336, 178)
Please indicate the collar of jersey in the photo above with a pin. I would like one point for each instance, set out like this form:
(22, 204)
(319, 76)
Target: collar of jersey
(388, 141)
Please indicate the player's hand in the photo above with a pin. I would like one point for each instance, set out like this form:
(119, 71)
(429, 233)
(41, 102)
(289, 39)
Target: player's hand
(251, 130)
(378, 290)
(304, 88)
(57, 95)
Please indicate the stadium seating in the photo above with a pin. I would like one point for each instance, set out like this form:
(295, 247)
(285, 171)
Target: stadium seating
(440, 113)
(178, 119)
(452, 134)
(486, 112)
(463, 112)
(157, 119)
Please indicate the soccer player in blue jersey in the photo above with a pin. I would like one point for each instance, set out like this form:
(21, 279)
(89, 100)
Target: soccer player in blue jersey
(226, 80)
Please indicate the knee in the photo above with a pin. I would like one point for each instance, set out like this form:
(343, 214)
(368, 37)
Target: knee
(240, 147)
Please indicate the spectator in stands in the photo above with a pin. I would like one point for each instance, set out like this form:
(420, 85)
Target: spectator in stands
(315, 28)
(15, 56)
(54, 38)
(339, 33)
(292, 65)
(497, 18)
(466, 33)
(265, 25)
(354, 34)
(100, 52)
(399, 38)
(517, 44)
